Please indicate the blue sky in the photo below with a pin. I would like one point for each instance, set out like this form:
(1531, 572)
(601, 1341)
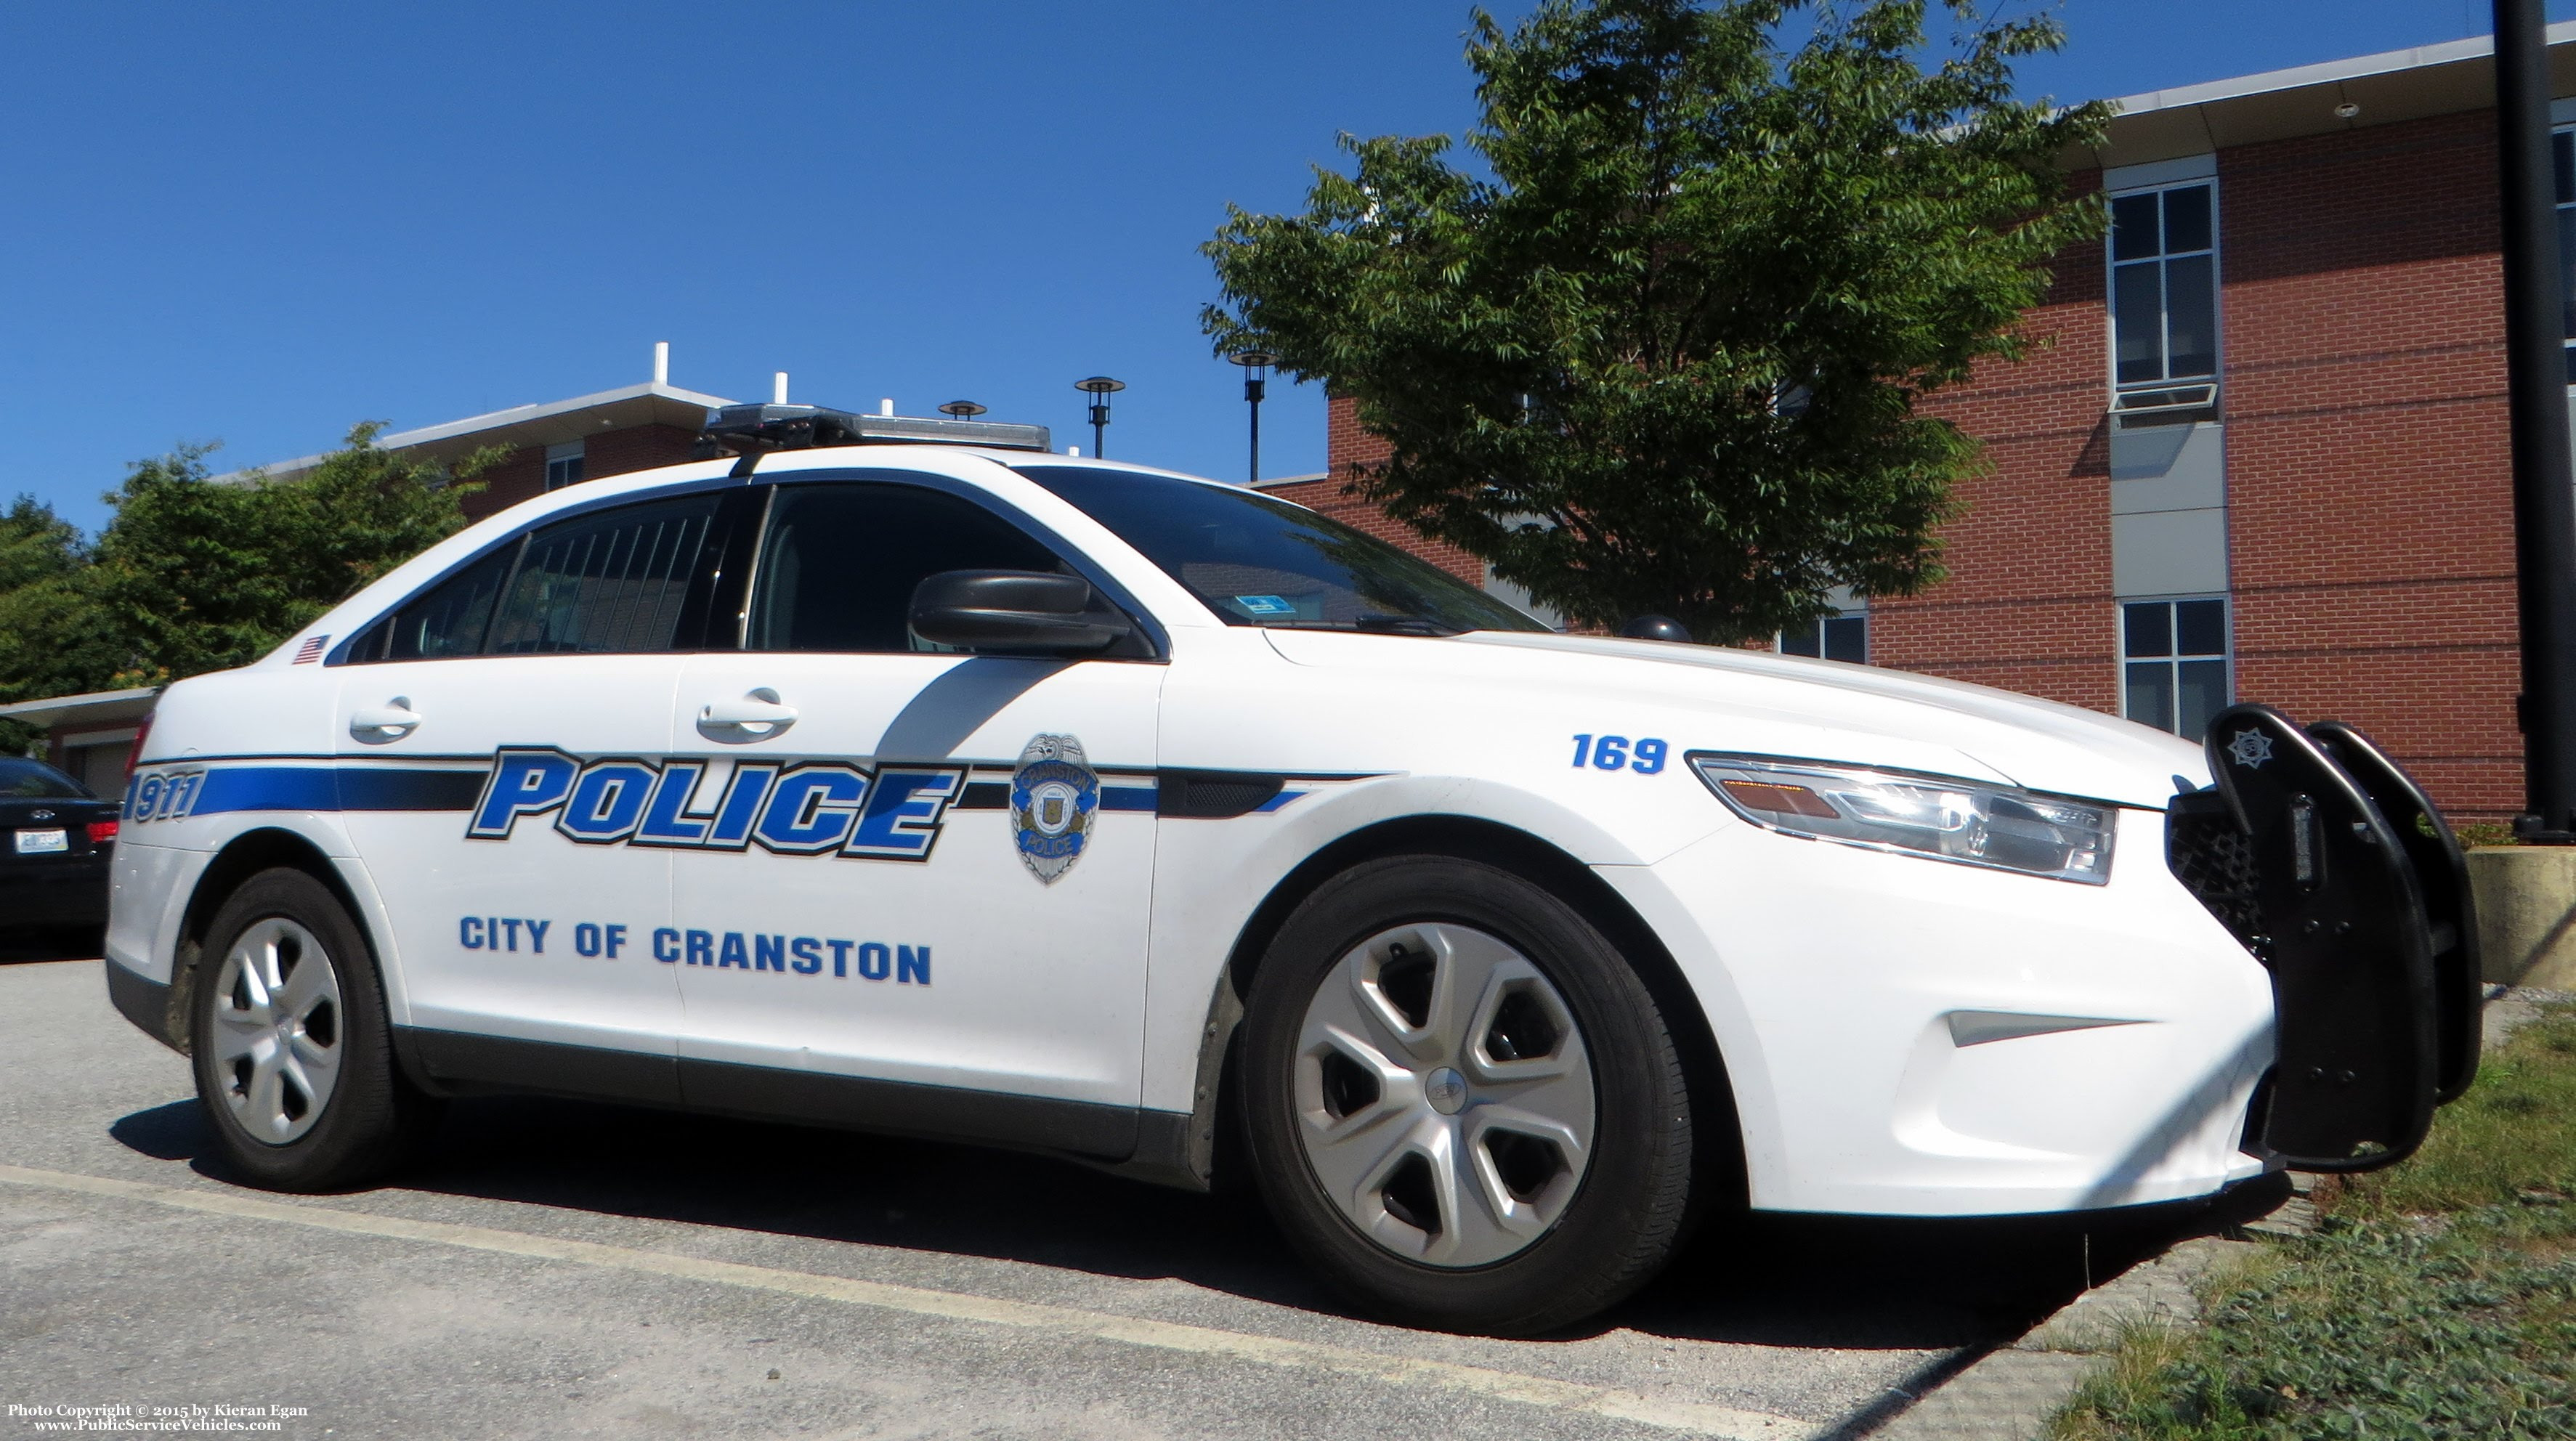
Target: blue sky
(261, 224)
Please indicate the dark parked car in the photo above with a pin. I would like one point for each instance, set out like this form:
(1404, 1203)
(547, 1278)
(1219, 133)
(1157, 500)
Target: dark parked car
(54, 842)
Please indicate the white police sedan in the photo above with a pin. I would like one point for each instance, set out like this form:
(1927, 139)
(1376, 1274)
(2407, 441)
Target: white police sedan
(878, 780)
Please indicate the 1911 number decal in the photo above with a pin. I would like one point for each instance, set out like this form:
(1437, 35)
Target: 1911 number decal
(1612, 753)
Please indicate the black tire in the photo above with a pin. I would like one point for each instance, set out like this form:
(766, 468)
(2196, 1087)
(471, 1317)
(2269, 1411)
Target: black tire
(369, 1120)
(1631, 1202)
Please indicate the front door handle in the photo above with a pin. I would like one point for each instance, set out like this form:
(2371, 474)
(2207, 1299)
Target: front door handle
(388, 722)
(757, 715)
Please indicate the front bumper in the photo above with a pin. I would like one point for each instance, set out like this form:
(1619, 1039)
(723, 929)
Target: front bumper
(1905, 1037)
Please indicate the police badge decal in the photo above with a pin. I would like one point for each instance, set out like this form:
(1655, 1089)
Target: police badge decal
(1054, 795)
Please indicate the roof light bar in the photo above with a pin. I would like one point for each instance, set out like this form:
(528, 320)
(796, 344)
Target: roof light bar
(751, 429)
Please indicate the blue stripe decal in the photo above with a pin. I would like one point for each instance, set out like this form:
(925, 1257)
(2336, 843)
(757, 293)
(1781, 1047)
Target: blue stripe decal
(230, 789)
(268, 788)
(372, 788)
(324, 788)
(1277, 801)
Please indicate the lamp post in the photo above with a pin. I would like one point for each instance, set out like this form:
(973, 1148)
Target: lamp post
(1256, 369)
(1099, 388)
(963, 409)
(2544, 513)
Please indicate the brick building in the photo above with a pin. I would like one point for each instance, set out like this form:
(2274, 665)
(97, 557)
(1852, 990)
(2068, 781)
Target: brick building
(2258, 450)
(561, 442)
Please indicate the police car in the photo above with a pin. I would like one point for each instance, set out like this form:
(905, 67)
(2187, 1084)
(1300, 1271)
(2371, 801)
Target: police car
(906, 777)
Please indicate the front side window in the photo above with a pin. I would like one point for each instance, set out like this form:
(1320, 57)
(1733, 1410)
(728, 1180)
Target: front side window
(2164, 294)
(616, 580)
(840, 562)
(2173, 663)
(1259, 561)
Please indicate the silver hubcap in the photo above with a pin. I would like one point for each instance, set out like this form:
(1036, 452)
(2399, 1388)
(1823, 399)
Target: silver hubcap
(277, 1029)
(1443, 1095)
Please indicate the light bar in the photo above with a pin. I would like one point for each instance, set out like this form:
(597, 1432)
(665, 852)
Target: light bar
(747, 429)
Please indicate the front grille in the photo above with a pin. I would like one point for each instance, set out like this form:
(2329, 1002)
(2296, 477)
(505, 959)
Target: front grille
(2215, 862)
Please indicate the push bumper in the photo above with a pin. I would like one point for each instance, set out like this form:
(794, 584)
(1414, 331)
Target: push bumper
(2335, 871)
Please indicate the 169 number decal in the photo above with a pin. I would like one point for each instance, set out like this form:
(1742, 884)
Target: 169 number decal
(1614, 753)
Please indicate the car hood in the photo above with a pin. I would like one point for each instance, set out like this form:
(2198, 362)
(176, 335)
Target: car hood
(1827, 710)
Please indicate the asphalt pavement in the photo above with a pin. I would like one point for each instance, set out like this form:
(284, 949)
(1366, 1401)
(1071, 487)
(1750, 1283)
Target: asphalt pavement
(564, 1269)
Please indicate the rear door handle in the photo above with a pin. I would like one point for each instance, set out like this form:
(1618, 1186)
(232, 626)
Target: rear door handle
(757, 715)
(388, 722)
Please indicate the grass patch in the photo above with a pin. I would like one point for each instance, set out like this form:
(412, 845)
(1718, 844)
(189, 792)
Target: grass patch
(2484, 833)
(2437, 1299)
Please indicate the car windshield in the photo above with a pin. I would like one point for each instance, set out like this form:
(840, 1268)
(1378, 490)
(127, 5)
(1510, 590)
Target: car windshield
(22, 779)
(1259, 561)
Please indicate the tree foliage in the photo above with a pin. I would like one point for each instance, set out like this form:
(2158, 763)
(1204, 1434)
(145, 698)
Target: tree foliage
(201, 575)
(1669, 355)
(195, 573)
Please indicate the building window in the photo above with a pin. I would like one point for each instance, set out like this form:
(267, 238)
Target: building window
(563, 465)
(2173, 663)
(1843, 635)
(2164, 303)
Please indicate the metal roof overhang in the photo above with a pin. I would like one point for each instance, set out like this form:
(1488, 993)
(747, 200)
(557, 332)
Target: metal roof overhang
(2284, 104)
(552, 423)
(98, 708)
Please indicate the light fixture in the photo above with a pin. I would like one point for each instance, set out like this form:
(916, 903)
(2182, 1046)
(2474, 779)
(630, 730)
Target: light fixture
(1256, 369)
(1099, 388)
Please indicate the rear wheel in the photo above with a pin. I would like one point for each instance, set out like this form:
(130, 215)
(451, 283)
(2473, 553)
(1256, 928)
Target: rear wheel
(293, 1054)
(1465, 1109)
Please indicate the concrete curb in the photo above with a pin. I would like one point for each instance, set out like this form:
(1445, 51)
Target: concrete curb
(2010, 1393)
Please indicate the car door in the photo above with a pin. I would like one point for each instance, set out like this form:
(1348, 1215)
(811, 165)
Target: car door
(908, 866)
(499, 742)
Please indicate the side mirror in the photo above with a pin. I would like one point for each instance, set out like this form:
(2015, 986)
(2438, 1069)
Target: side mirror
(1014, 610)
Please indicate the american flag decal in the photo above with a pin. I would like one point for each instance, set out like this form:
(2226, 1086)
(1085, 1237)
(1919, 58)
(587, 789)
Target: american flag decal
(311, 650)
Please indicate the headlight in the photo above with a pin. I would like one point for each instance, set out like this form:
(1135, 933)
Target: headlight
(1968, 822)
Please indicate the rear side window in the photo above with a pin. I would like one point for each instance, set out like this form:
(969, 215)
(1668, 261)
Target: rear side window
(451, 619)
(22, 779)
(838, 568)
(614, 581)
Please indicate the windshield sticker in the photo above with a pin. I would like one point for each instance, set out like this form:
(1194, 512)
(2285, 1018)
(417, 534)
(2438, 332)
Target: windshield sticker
(1265, 605)
(1054, 795)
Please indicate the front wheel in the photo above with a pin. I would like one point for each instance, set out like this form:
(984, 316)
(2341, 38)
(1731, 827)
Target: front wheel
(293, 1054)
(1465, 1108)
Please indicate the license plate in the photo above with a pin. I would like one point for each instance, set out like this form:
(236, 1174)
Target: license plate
(38, 843)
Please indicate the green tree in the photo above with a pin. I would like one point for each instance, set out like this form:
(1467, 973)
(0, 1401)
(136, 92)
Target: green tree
(1669, 356)
(194, 574)
(52, 639)
(197, 574)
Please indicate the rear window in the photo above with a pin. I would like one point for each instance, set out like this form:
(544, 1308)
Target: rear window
(23, 779)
